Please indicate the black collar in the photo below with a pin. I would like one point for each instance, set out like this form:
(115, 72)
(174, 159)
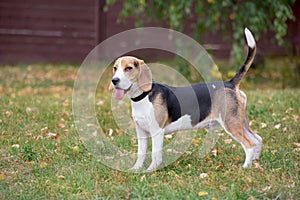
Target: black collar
(140, 97)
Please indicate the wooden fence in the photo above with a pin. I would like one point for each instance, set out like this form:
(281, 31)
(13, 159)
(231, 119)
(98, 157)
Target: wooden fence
(67, 30)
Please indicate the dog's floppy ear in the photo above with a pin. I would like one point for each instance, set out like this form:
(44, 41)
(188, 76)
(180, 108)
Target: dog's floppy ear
(145, 78)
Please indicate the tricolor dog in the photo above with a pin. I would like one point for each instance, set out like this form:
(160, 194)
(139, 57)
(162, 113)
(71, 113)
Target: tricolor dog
(159, 109)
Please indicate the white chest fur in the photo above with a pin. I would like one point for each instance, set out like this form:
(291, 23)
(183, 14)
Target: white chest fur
(143, 115)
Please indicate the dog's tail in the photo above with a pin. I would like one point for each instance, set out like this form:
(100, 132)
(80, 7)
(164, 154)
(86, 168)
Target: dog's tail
(250, 57)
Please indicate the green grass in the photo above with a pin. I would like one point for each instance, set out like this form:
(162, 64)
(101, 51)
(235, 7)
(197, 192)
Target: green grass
(42, 156)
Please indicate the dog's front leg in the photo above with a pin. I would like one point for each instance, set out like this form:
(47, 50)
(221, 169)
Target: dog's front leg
(157, 145)
(142, 148)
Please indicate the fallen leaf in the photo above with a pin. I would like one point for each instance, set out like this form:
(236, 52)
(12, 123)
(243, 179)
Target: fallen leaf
(60, 126)
(258, 166)
(100, 103)
(267, 188)
(196, 141)
(8, 114)
(29, 134)
(94, 134)
(227, 141)
(251, 198)
(110, 133)
(263, 125)
(75, 149)
(295, 118)
(297, 144)
(214, 152)
(203, 175)
(274, 151)
(17, 146)
(219, 167)
(38, 137)
(61, 177)
(289, 110)
(219, 151)
(169, 136)
(142, 178)
(53, 135)
(1, 177)
(202, 193)
(43, 164)
(28, 110)
(43, 130)
(277, 126)
(233, 147)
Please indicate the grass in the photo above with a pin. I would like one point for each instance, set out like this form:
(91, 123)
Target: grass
(42, 156)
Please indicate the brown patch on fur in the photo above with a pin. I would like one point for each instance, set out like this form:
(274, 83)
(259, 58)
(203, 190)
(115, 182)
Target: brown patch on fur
(128, 61)
(140, 74)
(160, 111)
(233, 114)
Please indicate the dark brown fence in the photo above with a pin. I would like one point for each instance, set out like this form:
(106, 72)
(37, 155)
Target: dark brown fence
(66, 30)
(46, 30)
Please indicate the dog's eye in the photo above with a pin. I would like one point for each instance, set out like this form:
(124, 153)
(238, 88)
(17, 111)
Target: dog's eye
(128, 69)
(115, 69)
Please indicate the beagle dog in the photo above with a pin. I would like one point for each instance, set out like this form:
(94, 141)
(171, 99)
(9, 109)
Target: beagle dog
(159, 109)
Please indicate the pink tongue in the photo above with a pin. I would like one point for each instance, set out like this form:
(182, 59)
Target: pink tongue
(119, 94)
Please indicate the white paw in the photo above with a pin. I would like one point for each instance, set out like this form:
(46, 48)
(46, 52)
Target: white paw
(135, 168)
(153, 166)
(247, 165)
(257, 152)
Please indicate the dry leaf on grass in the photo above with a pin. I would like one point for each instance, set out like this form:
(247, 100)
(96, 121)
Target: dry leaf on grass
(61, 177)
(52, 135)
(263, 125)
(277, 126)
(219, 167)
(43, 164)
(297, 144)
(203, 175)
(202, 193)
(227, 141)
(1, 177)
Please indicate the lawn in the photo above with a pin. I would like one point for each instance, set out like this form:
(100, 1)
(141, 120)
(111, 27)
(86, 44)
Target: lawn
(42, 156)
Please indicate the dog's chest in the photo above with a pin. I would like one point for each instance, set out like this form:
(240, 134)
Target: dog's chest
(143, 114)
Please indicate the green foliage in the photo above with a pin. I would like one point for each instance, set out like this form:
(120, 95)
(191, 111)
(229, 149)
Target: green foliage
(216, 16)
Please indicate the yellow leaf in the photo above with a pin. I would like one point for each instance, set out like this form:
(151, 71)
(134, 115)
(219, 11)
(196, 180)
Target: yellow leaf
(202, 193)
(75, 149)
(61, 177)
(43, 164)
(1, 177)
(196, 141)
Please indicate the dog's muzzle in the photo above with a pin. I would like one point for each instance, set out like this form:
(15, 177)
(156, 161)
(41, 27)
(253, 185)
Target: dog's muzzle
(115, 81)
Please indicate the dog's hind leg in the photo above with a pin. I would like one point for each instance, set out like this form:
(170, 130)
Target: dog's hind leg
(234, 127)
(255, 137)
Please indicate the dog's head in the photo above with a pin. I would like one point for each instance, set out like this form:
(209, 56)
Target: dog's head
(130, 75)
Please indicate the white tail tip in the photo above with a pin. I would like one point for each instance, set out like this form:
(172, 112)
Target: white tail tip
(250, 39)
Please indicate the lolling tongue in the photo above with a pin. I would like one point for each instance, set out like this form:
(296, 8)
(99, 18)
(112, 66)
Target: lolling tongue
(119, 94)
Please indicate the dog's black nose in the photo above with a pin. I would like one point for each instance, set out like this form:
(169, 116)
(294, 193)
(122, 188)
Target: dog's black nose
(115, 80)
